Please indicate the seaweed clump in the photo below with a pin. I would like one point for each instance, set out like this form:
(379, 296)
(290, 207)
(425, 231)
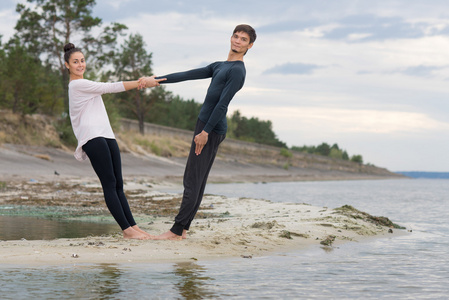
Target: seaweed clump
(328, 241)
(350, 211)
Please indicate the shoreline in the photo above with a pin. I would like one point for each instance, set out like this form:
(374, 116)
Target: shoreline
(225, 227)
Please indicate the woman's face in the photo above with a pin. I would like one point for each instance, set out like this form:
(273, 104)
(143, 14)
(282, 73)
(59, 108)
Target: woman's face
(76, 65)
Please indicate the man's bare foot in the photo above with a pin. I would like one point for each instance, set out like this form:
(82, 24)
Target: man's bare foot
(184, 234)
(135, 227)
(131, 233)
(168, 236)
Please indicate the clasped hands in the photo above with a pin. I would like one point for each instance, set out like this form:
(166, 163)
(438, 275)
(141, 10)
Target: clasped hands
(201, 138)
(148, 82)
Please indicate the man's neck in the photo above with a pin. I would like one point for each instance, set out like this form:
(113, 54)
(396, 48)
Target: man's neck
(233, 56)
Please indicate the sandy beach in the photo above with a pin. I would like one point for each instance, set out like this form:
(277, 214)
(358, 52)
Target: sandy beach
(224, 227)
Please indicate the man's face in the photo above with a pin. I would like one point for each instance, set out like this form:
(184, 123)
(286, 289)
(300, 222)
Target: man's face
(240, 42)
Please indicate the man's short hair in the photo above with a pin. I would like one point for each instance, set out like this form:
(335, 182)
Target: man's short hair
(247, 29)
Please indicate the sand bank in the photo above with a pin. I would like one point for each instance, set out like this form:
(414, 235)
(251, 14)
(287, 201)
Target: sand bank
(225, 227)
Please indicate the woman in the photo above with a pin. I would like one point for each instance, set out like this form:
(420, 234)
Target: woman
(96, 139)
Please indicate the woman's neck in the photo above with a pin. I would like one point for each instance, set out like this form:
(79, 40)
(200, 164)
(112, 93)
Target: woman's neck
(75, 77)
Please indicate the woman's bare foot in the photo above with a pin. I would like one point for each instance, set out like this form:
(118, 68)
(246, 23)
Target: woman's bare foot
(168, 236)
(184, 234)
(135, 227)
(131, 233)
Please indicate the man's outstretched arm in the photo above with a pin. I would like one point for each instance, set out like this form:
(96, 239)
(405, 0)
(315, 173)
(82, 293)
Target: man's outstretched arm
(200, 73)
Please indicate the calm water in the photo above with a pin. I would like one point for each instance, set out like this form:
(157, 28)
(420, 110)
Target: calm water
(414, 266)
(33, 228)
(47, 222)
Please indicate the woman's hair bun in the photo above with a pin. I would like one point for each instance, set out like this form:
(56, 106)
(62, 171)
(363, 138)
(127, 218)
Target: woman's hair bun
(69, 47)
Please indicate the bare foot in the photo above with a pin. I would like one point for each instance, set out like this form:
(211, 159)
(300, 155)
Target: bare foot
(184, 234)
(135, 227)
(131, 233)
(168, 236)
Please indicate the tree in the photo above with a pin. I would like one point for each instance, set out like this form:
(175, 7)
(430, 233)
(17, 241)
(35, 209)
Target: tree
(2, 72)
(252, 130)
(27, 86)
(357, 159)
(173, 111)
(131, 63)
(19, 82)
(323, 149)
(46, 26)
(336, 153)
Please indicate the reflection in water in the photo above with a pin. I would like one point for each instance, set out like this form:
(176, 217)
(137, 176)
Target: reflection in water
(107, 283)
(192, 283)
(85, 282)
(32, 228)
(67, 282)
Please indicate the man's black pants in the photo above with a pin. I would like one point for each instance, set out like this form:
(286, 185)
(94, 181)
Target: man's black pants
(195, 177)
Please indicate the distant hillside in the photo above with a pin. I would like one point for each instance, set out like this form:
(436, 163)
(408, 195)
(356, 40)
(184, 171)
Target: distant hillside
(429, 175)
(172, 145)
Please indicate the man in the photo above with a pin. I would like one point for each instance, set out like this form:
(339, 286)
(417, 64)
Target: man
(228, 78)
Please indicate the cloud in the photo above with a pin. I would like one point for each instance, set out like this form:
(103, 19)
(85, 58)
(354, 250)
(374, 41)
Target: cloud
(361, 28)
(421, 71)
(292, 68)
(287, 25)
(340, 121)
(8, 19)
(8, 4)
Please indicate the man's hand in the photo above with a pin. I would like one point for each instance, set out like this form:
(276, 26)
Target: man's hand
(200, 141)
(148, 82)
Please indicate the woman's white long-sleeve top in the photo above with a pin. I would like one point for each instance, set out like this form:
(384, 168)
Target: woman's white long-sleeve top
(88, 113)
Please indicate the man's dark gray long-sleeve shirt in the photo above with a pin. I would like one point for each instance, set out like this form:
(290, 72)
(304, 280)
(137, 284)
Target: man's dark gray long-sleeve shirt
(228, 78)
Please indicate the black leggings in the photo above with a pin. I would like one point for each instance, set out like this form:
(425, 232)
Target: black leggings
(104, 156)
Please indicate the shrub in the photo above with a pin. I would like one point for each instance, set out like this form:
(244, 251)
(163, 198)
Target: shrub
(357, 158)
(286, 153)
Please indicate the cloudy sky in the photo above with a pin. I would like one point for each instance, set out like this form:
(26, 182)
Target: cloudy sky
(371, 76)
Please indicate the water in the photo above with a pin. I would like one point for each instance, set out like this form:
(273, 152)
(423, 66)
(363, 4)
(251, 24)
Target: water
(33, 228)
(50, 222)
(412, 266)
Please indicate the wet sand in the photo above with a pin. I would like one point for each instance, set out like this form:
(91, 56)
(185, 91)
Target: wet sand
(224, 227)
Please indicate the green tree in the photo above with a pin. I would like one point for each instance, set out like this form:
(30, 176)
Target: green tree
(20, 79)
(253, 130)
(2, 72)
(307, 149)
(336, 153)
(27, 86)
(357, 158)
(323, 149)
(175, 112)
(132, 62)
(45, 26)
